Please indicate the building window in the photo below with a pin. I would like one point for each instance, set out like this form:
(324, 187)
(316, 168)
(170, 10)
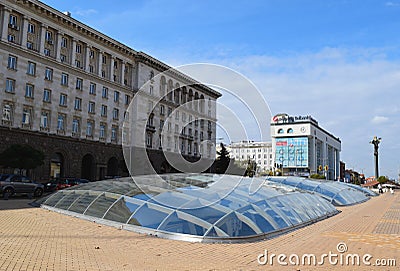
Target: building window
(127, 99)
(114, 133)
(103, 110)
(49, 37)
(92, 89)
(91, 54)
(29, 91)
(64, 42)
(280, 131)
(104, 60)
(63, 58)
(10, 85)
(77, 63)
(104, 93)
(7, 112)
(79, 83)
(44, 120)
(31, 28)
(91, 68)
(12, 62)
(177, 115)
(78, 48)
(151, 89)
(162, 110)
(29, 45)
(31, 68)
(13, 20)
(46, 52)
(11, 38)
(290, 131)
(102, 132)
(48, 74)
(115, 113)
(91, 107)
(169, 111)
(75, 126)
(78, 104)
(161, 124)
(89, 129)
(64, 79)
(103, 73)
(63, 99)
(60, 122)
(26, 116)
(116, 96)
(47, 95)
(149, 140)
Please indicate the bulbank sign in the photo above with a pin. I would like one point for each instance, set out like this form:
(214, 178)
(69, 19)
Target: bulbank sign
(285, 118)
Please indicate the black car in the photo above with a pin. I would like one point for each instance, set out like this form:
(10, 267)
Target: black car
(11, 184)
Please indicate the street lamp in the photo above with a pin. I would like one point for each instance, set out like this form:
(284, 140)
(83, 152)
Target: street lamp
(376, 142)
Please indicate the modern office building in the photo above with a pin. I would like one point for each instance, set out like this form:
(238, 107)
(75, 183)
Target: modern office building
(65, 89)
(260, 152)
(301, 147)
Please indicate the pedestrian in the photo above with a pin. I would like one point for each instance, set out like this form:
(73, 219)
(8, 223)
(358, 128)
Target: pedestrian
(380, 189)
(391, 191)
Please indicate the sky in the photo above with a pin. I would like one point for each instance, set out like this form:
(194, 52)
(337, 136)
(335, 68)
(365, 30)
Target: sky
(337, 60)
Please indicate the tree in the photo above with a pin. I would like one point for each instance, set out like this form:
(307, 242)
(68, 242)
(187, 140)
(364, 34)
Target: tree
(223, 160)
(21, 157)
(382, 179)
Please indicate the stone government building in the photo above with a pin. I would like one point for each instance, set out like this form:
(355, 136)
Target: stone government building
(65, 89)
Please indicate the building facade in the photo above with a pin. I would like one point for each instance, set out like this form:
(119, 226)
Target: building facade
(260, 152)
(301, 147)
(65, 88)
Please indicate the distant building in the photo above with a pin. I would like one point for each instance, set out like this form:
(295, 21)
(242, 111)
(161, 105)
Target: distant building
(260, 152)
(301, 147)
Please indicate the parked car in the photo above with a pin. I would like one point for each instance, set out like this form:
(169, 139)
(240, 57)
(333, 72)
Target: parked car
(62, 183)
(11, 184)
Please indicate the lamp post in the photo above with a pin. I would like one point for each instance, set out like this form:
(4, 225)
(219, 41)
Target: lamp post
(376, 142)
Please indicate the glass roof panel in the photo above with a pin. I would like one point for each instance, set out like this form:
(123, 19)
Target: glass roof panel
(213, 207)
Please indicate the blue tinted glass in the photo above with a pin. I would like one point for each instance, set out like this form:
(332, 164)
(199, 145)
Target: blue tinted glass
(258, 219)
(149, 216)
(121, 211)
(234, 227)
(175, 224)
(273, 214)
(209, 214)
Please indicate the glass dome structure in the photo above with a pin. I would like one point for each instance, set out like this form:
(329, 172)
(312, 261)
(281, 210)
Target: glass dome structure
(193, 207)
(366, 191)
(336, 193)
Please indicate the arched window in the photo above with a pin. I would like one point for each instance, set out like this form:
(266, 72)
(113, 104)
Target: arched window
(290, 131)
(280, 131)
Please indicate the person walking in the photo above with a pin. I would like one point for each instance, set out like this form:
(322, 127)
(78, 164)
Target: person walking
(380, 189)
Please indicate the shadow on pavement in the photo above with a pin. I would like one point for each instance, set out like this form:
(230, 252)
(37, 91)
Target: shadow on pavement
(16, 202)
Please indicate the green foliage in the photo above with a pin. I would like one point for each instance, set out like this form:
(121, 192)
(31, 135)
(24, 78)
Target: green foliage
(223, 160)
(382, 179)
(21, 157)
(317, 176)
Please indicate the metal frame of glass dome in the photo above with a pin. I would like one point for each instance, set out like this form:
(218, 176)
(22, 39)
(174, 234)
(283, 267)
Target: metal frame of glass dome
(196, 208)
(335, 193)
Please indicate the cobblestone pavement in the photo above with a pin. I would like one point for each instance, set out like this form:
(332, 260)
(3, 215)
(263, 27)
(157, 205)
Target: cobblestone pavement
(36, 239)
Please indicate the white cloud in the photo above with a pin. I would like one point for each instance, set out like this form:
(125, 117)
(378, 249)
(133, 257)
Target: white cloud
(392, 4)
(85, 12)
(379, 120)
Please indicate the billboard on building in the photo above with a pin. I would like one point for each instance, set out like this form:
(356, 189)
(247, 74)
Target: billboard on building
(292, 152)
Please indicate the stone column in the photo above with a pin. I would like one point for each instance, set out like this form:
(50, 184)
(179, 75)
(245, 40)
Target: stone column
(100, 64)
(87, 57)
(58, 48)
(4, 31)
(73, 52)
(123, 73)
(24, 31)
(42, 39)
(112, 60)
